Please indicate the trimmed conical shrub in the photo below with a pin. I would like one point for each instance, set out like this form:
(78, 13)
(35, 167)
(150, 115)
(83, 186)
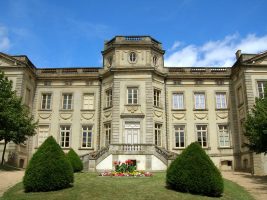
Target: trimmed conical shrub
(75, 161)
(194, 172)
(49, 169)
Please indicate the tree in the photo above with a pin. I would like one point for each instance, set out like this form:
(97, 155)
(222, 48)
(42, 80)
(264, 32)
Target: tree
(49, 169)
(194, 172)
(75, 161)
(256, 125)
(16, 122)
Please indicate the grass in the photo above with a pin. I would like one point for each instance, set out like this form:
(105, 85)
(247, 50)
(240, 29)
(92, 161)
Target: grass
(90, 186)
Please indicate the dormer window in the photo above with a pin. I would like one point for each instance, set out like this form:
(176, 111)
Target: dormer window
(132, 57)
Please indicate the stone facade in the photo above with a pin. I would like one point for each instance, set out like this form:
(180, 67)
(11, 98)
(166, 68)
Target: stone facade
(136, 108)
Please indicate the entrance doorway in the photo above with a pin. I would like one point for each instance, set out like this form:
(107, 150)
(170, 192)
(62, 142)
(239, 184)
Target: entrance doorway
(132, 132)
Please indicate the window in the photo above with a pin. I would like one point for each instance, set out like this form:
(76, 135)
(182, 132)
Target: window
(155, 60)
(87, 136)
(107, 134)
(178, 101)
(261, 86)
(224, 138)
(157, 97)
(65, 136)
(199, 100)
(43, 131)
(221, 100)
(46, 101)
(179, 133)
(28, 97)
(109, 98)
(158, 134)
(67, 102)
(240, 96)
(132, 95)
(88, 101)
(132, 57)
(202, 135)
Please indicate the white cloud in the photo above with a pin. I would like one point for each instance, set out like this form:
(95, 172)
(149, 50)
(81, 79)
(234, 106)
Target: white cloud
(4, 40)
(216, 53)
(175, 45)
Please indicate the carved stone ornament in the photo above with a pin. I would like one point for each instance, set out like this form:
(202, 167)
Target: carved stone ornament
(65, 116)
(108, 114)
(201, 116)
(132, 109)
(158, 113)
(87, 116)
(45, 115)
(223, 115)
(178, 116)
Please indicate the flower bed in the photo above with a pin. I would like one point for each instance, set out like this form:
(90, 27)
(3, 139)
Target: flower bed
(127, 168)
(126, 174)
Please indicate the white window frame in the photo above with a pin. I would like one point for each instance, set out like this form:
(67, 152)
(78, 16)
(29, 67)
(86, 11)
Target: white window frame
(199, 100)
(88, 104)
(109, 98)
(221, 100)
(224, 135)
(260, 88)
(87, 136)
(46, 103)
(179, 132)
(157, 97)
(178, 101)
(158, 134)
(107, 128)
(201, 134)
(69, 101)
(65, 136)
(132, 100)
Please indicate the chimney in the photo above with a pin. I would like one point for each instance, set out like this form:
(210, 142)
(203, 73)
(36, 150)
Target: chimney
(238, 54)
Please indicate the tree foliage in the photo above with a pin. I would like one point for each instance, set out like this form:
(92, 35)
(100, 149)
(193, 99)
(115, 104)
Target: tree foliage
(75, 161)
(49, 169)
(256, 125)
(16, 122)
(194, 172)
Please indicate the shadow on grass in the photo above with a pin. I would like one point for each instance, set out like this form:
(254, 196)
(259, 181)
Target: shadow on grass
(8, 168)
(168, 187)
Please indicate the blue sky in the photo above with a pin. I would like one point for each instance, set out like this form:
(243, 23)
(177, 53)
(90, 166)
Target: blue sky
(72, 33)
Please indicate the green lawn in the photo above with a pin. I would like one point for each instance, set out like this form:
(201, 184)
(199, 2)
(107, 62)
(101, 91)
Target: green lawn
(90, 186)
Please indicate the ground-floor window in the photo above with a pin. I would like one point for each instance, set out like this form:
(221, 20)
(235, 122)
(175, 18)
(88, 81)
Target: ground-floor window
(179, 132)
(224, 138)
(202, 135)
(107, 134)
(158, 134)
(87, 136)
(65, 135)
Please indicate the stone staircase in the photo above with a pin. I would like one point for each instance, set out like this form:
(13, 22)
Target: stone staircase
(91, 160)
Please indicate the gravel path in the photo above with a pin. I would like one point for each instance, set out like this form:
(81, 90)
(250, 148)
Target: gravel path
(255, 185)
(8, 179)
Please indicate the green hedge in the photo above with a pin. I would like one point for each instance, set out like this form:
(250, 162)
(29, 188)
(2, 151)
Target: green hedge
(48, 169)
(75, 161)
(194, 172)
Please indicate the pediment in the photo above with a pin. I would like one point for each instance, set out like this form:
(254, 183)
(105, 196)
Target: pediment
(260, 59)
(8, 61)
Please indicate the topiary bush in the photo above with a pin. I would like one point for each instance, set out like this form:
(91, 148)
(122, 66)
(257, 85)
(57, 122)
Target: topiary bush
(194, 172)
(75, 161)
(49, 169)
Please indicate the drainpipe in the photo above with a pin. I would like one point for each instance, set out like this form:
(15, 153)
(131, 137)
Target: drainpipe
(166, 114)
(99, 114)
